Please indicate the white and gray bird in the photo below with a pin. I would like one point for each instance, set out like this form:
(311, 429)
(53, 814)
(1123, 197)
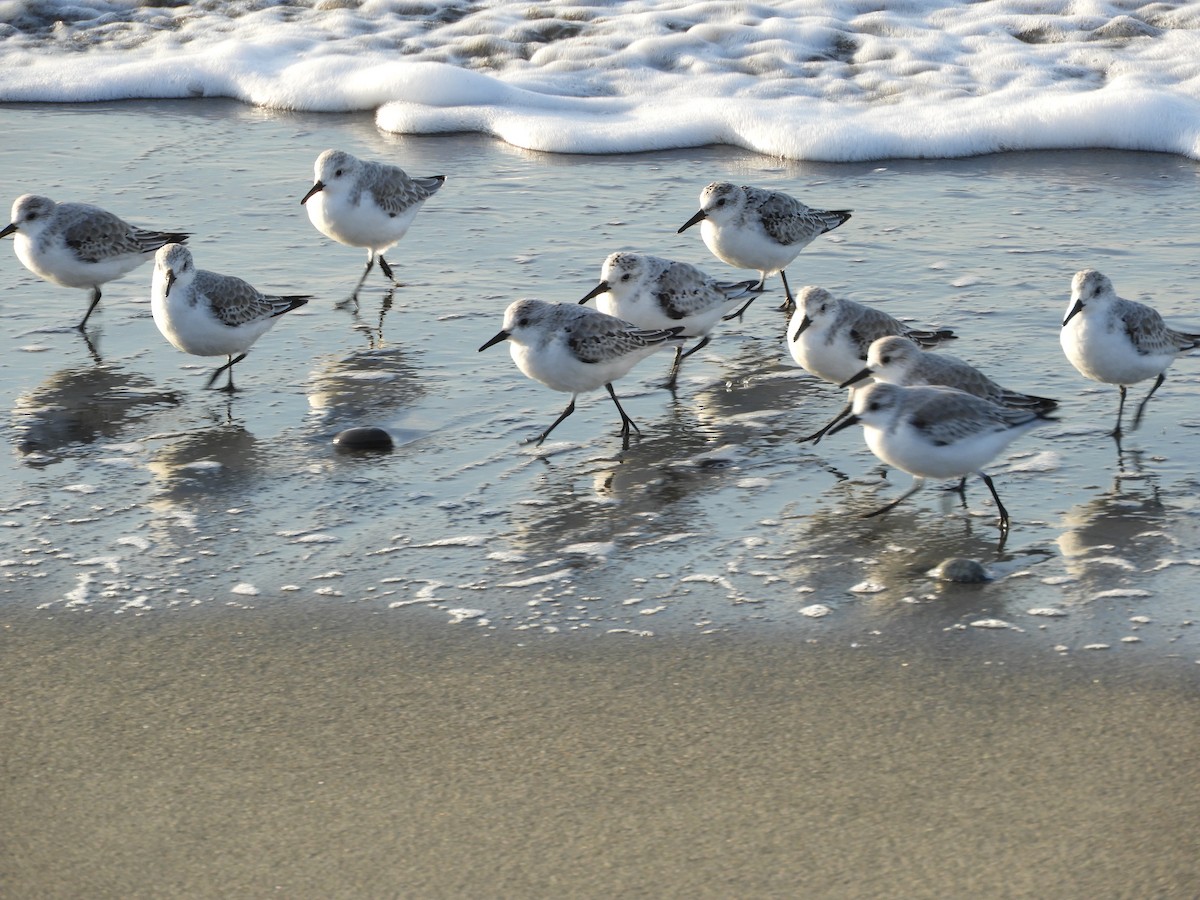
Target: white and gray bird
(897, 360)
(829, 337)
(78, 245)
(652, 292)
(207, 314)
(937, 432)
(1117, 341)
(573, 348)
(368, 204)
(754, 228)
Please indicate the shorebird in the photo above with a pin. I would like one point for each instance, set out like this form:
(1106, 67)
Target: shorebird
(79, 245)
(937, 432)
(368, 204)
(1117, 341)
(207, 314)
(652, 292)
(573, 348)
(754, 228)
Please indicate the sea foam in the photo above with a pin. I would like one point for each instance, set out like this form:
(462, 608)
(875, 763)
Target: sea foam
(834, 81)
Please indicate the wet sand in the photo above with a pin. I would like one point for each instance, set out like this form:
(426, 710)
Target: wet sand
(226, 658)
(307, 753)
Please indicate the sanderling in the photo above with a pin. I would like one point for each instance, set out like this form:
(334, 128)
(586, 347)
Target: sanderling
(78, 245)
(207, 314)
(365, 204)
(752, 228)
(1118, 341)
(897, 360)
(829, 337)
(652, 292)
(574, 348)
(937, 432)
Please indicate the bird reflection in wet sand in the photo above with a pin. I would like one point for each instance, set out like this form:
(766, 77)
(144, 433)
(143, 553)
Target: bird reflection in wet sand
(637, 497)
(1123, 530)
(79, 406)
(214, 462)
(374, 332)
(364, 384)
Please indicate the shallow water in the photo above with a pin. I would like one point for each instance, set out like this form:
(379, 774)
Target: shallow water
(130, 489)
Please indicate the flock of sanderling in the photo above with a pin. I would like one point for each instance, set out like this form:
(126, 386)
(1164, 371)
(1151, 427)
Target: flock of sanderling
(355, 202)
(931, 415)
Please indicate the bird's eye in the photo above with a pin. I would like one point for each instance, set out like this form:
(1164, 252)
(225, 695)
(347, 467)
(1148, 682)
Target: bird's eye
(885, 359)
(337, 173)
(522, 322)
(626, 277)
(873, 406)
(31, 216)
(721, 202)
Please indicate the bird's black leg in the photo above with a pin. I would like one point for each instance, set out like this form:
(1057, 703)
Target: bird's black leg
(1137, 419)
(789, 302)
(92, 305)
(670, 385)
(918, 483)
(1000, 506)
(741, 309)
(228, 367)
(680, 356)
(362, 278)
(1116, 432)
(816, 436)
(960, 488)
(387, 270)
(626, 422)
(566, 412)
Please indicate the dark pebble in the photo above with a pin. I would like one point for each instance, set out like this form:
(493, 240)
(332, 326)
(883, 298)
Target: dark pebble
(366, 437)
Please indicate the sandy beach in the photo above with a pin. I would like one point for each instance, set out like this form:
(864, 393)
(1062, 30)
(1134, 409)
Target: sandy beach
(238, 663)
(311, 754)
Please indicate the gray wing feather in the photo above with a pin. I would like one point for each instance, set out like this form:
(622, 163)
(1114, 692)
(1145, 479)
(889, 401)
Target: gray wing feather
(395, 191)
(866, 325)
(236, 302)
(684, 291)
(789, 221)
(949, 416)
(952, 372)
(94, 234)
(599, 338)
(1149, 333)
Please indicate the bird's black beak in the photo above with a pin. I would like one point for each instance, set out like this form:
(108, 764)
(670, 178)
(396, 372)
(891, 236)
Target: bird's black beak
(170, 281)
(845, 423)
(804, 323)
(1076, 309)
(596, 291)
(319, 186)
(502, 336)
(698, 217)
(8, 229)
(856, 378)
